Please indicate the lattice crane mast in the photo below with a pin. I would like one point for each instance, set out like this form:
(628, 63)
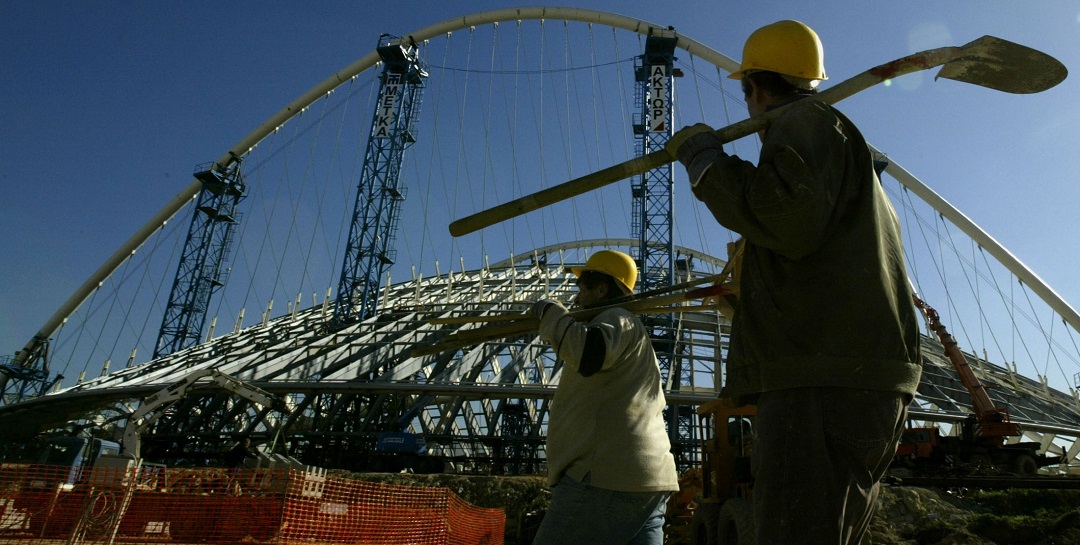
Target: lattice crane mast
(370, 250)
(652, 216)
(201, 271)
(654, 75)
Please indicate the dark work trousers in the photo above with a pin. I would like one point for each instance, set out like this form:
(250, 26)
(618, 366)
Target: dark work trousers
(818, 456)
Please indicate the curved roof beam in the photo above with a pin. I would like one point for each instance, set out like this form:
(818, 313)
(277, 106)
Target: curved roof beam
(369, 60)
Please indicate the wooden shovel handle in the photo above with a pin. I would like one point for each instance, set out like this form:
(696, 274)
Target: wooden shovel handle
(989, 62)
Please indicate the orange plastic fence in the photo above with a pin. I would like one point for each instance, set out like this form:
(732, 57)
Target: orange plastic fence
(216, 506)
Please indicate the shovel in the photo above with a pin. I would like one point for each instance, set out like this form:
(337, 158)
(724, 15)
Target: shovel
(988, 62)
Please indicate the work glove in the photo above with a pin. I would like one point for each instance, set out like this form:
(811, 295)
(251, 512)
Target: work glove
(682, 135)
(696, 147)
(540, 306)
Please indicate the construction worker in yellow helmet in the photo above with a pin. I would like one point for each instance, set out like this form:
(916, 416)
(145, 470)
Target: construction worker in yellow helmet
(789, 48)
(609, 459)
(824, 336)
(617, 265)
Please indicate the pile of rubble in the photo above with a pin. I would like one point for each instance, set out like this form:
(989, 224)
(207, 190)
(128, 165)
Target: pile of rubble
(924, 516)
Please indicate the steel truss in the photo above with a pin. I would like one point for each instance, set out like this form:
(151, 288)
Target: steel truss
(484, 408)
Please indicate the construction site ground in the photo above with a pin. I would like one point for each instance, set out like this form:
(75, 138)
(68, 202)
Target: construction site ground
(906, 515)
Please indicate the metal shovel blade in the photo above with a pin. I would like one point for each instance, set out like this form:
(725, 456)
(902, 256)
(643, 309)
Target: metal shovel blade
(1004, 66)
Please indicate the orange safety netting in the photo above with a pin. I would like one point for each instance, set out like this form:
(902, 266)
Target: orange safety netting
(279, 505)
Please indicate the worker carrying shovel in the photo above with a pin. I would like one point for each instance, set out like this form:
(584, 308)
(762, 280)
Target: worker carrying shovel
(824, 335)
(608, 454)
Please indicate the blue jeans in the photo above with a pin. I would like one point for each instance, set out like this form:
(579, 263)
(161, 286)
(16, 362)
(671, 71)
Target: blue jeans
(587, 515)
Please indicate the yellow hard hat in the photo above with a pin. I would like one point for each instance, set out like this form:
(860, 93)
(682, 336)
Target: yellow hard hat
(786, 47)
(615, 264)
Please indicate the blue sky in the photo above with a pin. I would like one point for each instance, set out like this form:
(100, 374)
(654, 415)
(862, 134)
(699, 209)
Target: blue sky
(108, 106)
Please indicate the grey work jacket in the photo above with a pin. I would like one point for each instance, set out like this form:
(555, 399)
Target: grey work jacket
(824, 295)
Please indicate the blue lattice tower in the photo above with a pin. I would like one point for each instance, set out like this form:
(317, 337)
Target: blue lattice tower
(652, 218)
(201, 270)
(370, 251)
(26, 377)
(652, 190)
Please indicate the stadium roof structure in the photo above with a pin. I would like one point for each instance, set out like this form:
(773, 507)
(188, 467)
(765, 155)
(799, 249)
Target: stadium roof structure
(478, 406)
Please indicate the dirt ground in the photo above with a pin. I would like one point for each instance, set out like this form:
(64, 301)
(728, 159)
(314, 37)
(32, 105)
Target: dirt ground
(925, 516)
(906, 515)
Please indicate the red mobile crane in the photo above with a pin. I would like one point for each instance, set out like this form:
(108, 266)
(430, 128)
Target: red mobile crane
(984, 435)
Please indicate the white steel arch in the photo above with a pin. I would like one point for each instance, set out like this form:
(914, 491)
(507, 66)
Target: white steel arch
(322, 89)
(1006, 258)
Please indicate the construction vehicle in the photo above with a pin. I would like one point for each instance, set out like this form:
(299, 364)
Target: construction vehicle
(397, 451)
(127, 462)
(77, 454)
(83, 452)
(723, 512)
(985, 435)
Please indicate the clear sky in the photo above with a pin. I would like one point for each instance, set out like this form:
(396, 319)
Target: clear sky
(108, 106)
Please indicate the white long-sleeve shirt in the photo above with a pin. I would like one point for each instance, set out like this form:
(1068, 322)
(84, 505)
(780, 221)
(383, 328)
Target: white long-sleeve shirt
(610, 424)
